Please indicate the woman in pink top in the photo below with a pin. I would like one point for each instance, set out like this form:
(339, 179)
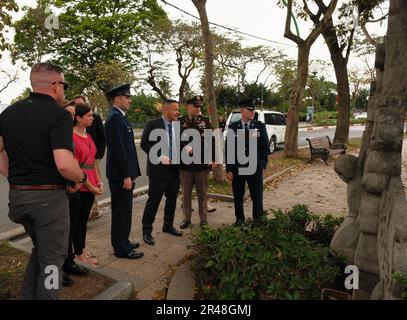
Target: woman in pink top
(84, 194)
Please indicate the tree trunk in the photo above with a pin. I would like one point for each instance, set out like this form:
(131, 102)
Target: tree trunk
(341, 72)
(375, 189)
(296, 101)
(209, 71)
(342, 122)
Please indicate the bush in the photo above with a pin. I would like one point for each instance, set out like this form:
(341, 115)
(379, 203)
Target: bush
(284, 257)
(401, 278)
(302, 116)
(325, 118)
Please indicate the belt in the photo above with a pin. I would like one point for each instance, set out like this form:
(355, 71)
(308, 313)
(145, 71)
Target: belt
(87, 166)
(41, 187)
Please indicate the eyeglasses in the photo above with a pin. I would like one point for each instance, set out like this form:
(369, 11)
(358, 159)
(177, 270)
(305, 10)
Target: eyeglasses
(66, 86)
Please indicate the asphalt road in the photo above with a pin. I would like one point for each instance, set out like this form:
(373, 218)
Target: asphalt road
(6, 224)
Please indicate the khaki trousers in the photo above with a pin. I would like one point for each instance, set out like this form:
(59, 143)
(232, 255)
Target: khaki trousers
(200, 180)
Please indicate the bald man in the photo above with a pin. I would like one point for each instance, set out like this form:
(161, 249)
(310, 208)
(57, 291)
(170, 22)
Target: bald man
(164, 176)
(36, 134)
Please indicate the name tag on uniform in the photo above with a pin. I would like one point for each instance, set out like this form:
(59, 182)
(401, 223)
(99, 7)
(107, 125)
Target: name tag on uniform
(256, 133)
(129, 128)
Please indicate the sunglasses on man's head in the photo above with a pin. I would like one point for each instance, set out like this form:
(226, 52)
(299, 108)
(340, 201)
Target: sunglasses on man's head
(66, 86)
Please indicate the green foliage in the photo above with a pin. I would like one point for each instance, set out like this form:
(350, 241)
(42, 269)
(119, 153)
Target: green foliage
(90, 33)
(284, 257)
(325, 118)
(5, 20)
(23, 95)
(302, 116)
(401, 278)
(143, 108)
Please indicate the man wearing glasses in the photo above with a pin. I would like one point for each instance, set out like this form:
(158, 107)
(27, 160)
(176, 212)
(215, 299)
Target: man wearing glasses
(36, 134)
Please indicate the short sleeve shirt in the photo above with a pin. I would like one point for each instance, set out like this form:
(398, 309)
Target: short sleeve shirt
(31, 129)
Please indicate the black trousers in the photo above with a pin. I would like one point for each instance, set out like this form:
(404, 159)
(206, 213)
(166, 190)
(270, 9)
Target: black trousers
(156, 189)
(80, 205)
(122, 208)
(255, 183)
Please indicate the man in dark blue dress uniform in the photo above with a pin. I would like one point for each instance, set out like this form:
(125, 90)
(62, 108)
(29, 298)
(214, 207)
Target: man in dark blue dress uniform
(235, 171)
(122, 168)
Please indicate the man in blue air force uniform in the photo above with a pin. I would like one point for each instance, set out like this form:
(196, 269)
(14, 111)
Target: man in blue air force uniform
(122, 168)
(256, 130)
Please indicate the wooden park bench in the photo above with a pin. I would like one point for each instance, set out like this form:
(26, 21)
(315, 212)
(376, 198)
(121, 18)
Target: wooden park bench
(321, 147)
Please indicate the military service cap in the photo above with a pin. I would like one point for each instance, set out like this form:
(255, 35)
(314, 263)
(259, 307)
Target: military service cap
(196, 101)
(248, 104)
(122, 90)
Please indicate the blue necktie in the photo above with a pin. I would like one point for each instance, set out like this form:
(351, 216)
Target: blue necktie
(170, 138)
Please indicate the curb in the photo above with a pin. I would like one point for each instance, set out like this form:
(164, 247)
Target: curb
(121, 290)
(182, 283)
(12, 234)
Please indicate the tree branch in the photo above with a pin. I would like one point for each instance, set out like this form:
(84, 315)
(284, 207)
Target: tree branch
(368, 36)
(258, 76)
(287, 32)
(308, 11)
(350, 43)
(323, 23)
(11, 79)
(379, 19)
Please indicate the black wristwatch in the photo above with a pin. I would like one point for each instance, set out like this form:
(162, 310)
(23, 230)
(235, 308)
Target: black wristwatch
(84, 178)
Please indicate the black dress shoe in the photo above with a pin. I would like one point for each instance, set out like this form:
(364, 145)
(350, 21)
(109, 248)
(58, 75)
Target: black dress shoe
(132, 255)
(173, 231)
(66, 281)
(147, 237)
(185, 224)
(211, 209)
(134, 245)
(76, 270)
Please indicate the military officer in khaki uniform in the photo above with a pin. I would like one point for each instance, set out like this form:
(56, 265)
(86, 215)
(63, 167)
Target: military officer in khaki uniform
(195, 173)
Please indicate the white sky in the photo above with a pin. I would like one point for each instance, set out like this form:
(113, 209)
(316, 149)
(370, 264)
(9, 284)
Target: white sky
(262, 18)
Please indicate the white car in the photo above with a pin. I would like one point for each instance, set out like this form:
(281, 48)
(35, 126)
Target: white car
(275, 124)
(362, 115)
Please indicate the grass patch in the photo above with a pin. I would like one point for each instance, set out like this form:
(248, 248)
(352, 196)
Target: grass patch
(354, 144)
(12, 269)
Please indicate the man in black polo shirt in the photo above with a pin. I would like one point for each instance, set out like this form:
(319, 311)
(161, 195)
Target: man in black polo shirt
(36, 134)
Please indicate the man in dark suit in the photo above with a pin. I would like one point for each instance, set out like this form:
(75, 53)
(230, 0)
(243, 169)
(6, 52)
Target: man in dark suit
(163, 174)
(250, 129)
(122, 168)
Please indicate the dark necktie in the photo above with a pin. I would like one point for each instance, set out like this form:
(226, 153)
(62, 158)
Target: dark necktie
(170, 138)
(246, 139)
